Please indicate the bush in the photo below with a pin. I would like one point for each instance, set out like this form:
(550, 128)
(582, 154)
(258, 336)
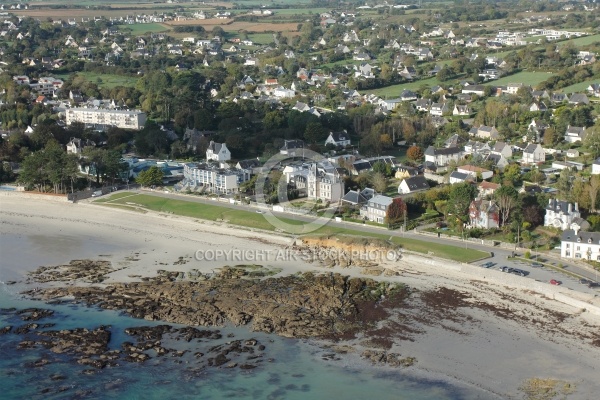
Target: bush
(528, 254)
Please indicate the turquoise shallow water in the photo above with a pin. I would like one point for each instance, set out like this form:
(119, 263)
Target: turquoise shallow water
(296, 372)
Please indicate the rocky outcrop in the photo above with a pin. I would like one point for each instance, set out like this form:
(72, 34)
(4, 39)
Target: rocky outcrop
(306, 305)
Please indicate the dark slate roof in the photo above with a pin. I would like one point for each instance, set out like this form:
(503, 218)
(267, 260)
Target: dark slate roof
(215, 147)
(251, 163)
(557, 205)
(432, 151)
(340, 136)
(354, 197)
(459, 175)
(293, 144)
(415, 183)
(582, 237)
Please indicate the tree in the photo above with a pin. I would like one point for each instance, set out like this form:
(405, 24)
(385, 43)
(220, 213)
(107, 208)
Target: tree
(414, 153)
(380, 182)
(396, 211)
(506, 198)
(459, 200)
(315, 133)
(150, 177)
(593, 189)
(592, 140)
(512, 174)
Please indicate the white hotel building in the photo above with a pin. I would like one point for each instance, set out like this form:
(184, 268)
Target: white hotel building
(213, 178)
(99, 118)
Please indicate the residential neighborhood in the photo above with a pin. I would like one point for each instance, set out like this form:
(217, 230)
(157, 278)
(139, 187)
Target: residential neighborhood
(399, 102)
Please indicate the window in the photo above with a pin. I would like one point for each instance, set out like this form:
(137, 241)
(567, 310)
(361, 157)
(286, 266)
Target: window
(568, 254)
(568, 245)
(577, 255)
(578, 248)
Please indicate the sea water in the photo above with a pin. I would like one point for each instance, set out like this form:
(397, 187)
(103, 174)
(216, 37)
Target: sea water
(296, 370)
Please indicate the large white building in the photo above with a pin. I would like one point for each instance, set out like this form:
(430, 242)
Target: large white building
(561, 214)
(217, 152)
(100, 118)
(577, 244)
(214, 179)
(320, 181)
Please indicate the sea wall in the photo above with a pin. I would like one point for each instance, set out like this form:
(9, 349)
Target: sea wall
(37, 196)
(582, 301)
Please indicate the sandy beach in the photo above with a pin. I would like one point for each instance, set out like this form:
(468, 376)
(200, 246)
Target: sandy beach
(493, 334)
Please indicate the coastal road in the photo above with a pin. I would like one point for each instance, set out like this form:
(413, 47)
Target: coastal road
(500, 255)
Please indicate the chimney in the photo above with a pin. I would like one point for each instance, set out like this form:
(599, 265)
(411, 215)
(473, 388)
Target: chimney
(576, 229)
(577, 207)
(569, 207)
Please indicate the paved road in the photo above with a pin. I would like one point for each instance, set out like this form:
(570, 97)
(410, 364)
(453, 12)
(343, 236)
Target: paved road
(499, 258)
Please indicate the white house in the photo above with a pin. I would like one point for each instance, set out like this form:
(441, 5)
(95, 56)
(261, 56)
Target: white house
(596, 167)
(473, 171)
(503, 149)
(561, 214)
(533, 154)
(376, 208)
(483, 214)
(460, 109)
(458, 177)
(574, 134)
(441, 157)
(338, 139)
(577, 244)
(413, 184)
(282, 92)
(76, 145)
(217, 152)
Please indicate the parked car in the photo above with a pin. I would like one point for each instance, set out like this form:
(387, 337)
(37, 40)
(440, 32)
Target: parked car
(488, 264)
(584, 281)
(555, 282)
(536, 265)
(593, 284)
(97, 193)
(519, 272)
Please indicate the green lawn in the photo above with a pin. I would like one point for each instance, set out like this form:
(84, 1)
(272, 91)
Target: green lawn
(525, 77)
(140, 29)
(255, 220)
(583, 41)
(579, 87)
(261, 38)
(395, 90)
(105, 80)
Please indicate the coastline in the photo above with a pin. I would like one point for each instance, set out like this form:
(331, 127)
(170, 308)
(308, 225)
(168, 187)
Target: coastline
(475, 345)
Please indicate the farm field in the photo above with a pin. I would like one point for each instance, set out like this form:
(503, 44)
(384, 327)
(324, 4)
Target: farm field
(140, 29)
(584, 41)
(526, 77)
(107, 80)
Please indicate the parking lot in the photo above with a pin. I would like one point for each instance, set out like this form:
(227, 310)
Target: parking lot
(541, 273)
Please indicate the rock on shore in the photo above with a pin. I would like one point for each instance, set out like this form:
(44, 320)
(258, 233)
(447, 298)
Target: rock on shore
(303, 305)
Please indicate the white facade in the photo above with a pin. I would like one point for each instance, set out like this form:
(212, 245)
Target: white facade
(596, 167)
(376, 209)
(584, 245)
(217, 152)
(560, 214)
(214, 179)
(101, 117)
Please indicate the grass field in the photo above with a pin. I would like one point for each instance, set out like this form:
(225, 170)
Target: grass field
(584, 41)
(526, 77)
(261, 38)
(579, 87)
(395, 90)
(254, 220)
(106, 80)
(140, 29)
